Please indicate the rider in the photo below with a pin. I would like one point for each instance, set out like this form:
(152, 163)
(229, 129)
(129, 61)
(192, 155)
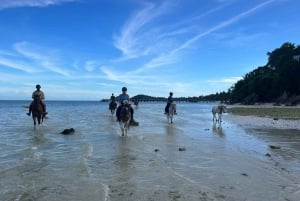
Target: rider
(112, 101)
(112, 98)
(40, 94)
(123, 98)
(169, 101)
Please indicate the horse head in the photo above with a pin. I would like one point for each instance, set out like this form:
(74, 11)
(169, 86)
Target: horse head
(125, 113)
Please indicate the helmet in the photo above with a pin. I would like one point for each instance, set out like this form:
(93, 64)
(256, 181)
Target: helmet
(124, 89)
(38, 86)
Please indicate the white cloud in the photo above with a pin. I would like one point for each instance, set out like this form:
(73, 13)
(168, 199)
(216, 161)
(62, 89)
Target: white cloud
(228, 80)
(31, 3)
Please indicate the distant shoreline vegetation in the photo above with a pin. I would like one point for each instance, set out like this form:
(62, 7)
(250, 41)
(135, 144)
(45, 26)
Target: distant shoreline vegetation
(276, 82)
(147, 98)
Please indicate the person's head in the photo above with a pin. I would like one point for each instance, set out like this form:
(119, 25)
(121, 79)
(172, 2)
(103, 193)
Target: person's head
(171, 93)
(112, 94)
(124, 90)
(38, 87)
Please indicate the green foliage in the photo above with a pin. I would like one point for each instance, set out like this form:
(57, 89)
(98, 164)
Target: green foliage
(267, 83)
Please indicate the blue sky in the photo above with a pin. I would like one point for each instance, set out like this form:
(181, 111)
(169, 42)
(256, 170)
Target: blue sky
(88, 49)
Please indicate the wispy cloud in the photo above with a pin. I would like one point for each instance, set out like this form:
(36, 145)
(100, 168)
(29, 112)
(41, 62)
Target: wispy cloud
(12, 63)
(31, 3)
(167, 51)
(131, 40)
(34, 54)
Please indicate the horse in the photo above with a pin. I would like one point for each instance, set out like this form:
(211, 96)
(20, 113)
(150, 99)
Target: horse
(218, 110)
(172, 109)
(37, 110)
(136, 102)
(125, 117)
(112, 107)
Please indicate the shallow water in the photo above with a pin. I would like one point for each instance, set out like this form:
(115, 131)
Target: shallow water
(220, 162)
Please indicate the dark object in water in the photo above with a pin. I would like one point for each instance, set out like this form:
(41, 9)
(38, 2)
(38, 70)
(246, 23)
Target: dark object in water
(267, 154)
(181, 149)
(134, 123)
(274, 147)
(68, 131)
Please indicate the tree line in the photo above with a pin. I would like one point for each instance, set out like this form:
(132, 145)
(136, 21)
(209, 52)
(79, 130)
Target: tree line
(277, 81)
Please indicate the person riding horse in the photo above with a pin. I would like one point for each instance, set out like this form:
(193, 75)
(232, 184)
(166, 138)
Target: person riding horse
(169, 101)
(123, 98)
(112, 103)
(40, 95)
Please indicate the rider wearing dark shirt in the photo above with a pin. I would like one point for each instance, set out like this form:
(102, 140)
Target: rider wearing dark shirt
(112, 98)
(169, 101)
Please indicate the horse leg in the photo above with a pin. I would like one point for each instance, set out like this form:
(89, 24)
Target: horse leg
(34, 121)
(126, 128)
(122, 127)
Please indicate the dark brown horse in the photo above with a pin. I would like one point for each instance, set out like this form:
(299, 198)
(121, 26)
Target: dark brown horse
(112, 107)
(37, 110)
(125, 117)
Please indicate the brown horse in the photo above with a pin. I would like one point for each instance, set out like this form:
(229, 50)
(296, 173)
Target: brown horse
(37, 110)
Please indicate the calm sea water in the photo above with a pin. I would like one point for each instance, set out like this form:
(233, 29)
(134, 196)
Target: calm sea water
(95, 163)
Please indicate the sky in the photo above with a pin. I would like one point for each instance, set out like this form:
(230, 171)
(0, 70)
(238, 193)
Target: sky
(89, 49)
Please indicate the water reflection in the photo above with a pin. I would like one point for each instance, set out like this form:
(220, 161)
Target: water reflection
(217, 128)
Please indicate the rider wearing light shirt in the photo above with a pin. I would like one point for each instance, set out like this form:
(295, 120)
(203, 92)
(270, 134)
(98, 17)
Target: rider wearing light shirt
(124, 97)
(38, 93)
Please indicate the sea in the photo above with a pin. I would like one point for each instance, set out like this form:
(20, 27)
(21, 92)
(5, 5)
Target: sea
(189, 159)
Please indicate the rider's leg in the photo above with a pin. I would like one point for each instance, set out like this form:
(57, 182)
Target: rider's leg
(132, 111)
(30, 108)
(167, 108)
(118, 112)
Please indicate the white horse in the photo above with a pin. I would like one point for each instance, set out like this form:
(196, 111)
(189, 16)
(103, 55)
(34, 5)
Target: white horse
(171, 112)
(218, 110)
(125, 117)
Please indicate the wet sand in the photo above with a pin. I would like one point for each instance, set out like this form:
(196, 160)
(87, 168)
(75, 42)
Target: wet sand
(265, 122)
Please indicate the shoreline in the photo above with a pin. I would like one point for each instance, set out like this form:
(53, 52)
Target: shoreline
(265, 116)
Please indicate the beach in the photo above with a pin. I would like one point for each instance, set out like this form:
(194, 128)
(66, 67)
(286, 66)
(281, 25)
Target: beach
(192, 159)
(279, 118)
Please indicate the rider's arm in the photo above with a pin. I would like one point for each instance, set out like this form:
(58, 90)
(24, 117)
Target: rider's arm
(42, 95)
